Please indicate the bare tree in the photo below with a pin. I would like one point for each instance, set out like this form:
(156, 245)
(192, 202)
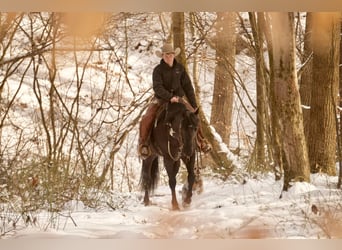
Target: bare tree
(288, 100)
(223, 95)
(339, 128)
(261, 84)
(200, 34)
(324, 91)
(179, 35)
(79, 110)
(306, 76)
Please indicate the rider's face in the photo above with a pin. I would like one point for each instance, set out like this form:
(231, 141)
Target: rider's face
(168, 58)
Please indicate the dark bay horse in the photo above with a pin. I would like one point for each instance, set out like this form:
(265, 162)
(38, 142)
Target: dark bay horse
(174, 138)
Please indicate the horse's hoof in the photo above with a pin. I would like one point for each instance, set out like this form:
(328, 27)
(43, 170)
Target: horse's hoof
(147, 203)
(186, 203)
(175, 208)
(187, 200)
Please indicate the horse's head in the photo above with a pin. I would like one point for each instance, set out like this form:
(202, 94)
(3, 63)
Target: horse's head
(183, 128)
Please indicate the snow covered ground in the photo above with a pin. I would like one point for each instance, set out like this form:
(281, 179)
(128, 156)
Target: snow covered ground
(224, 210)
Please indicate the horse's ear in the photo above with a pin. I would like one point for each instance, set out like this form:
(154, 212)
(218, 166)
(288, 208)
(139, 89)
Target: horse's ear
(196, 111)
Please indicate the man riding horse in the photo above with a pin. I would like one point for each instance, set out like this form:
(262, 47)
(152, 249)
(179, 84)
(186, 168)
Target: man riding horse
(170, 84)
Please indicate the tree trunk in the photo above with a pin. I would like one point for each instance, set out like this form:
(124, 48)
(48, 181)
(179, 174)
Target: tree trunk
(339, 130)
(306, 76)
(178, 36)
(322, 134)
(275, 145)
(222, 164)
(260, 144)
(288, 100)
(223, 95)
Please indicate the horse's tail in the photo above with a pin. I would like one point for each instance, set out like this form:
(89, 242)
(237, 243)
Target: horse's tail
(149, 181)
(154, 174)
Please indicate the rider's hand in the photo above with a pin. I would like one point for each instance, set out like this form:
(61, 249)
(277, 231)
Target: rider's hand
(174, 99)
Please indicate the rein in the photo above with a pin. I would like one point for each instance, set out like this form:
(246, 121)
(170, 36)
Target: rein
(179, 153)
(199, 164)
(170, 133)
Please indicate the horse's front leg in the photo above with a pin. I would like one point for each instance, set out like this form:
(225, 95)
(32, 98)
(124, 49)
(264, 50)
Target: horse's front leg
(147, 201)
(189, 162)
(172, 170)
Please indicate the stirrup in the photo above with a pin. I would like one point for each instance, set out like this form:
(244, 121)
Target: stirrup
(144, 151)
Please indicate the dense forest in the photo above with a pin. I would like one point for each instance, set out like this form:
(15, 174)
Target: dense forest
(73, 88)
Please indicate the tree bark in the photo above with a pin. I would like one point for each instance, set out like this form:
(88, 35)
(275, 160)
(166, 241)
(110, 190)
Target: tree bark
(306, 76)
(223, 95)
(288, 100)
(324, 91)
(339, 130)
(178, 35)
(260, 144)
(275, 145)
(221, 163)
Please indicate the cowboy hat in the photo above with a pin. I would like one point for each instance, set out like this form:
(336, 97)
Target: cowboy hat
(167, 48)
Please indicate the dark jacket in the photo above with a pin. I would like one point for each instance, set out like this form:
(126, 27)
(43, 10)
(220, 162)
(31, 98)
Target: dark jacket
(172, 81)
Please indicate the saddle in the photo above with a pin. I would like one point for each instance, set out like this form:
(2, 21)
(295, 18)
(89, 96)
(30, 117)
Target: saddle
(157, 115)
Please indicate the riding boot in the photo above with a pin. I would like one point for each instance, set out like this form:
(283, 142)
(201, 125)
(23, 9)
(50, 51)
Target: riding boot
(144, 150)
(146, 124)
